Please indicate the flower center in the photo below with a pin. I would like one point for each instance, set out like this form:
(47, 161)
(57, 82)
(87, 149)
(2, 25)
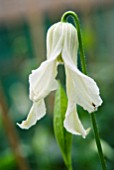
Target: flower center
(59, 58)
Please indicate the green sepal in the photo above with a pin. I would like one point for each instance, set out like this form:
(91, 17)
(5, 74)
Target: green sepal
(64, 138)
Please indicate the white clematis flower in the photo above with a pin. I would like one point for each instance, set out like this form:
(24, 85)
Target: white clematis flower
(62, 46)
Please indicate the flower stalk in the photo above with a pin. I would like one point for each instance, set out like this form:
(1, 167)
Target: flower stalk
(84, 70)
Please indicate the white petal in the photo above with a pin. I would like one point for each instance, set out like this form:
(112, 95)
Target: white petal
(72, 122)
(83, 89)
(70, 48)
(37, 111)
(42, 80)
(55, 37)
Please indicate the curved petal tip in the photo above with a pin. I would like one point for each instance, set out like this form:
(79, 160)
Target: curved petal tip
(37, 111)
(73, 124)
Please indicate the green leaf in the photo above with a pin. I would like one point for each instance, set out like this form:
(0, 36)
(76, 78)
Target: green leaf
(64, 139)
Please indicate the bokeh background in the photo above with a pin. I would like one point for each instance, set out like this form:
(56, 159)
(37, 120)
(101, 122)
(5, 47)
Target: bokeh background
(23, 27)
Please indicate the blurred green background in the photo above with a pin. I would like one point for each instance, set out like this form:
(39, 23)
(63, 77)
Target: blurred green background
(23, 27)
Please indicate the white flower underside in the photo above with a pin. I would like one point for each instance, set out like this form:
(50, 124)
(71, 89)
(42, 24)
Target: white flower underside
(81, 89)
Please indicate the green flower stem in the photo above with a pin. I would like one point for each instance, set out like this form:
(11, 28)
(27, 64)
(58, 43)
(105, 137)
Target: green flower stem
(84, 70)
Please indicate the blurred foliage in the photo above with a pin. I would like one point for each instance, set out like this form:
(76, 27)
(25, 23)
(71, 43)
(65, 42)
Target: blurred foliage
(38, 144)
(7, 161)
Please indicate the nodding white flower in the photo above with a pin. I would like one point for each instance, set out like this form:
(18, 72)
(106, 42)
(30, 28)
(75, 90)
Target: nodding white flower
(62, 46)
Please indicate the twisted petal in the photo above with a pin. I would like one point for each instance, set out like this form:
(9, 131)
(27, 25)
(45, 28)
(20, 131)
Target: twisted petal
(84, 91)
(72, 122)
(42, 80)
(37, 111)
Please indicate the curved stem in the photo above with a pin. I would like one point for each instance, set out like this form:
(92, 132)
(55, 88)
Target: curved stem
(84, 70)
